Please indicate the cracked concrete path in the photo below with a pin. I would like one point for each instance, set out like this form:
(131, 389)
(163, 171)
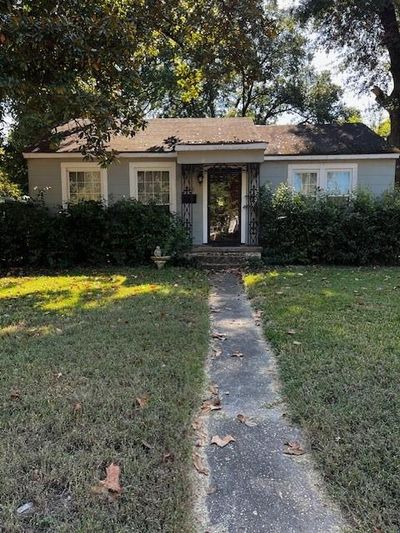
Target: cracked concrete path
(256, 487)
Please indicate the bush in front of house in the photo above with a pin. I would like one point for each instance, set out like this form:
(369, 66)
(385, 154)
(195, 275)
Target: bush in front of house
(87, 233)
(299, 229)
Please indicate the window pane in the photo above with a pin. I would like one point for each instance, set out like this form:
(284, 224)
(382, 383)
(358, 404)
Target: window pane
(84, 185)
(339, 182)
(153, 186)
(305, 182)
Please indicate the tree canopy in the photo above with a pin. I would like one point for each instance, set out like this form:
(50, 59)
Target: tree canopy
(368, 33)
(106, 64)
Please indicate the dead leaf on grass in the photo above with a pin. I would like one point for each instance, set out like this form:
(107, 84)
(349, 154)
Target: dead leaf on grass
(297, 343)
(247, 420)
(293, 448)
(291, 332)
(198, 463)
(77, 407)
(221, 442)
(110, 486)
(142, 401)
(15, 394)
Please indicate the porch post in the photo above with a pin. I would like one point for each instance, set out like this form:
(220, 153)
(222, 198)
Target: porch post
(253, 214)
(187, 199)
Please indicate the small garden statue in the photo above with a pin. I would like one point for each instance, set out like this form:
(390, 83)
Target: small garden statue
(160, 259)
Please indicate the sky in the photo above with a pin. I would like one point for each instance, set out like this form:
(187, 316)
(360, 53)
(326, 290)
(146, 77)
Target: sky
(324, 61)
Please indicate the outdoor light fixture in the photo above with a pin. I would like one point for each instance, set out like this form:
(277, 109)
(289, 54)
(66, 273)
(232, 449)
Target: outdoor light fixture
(200, 177)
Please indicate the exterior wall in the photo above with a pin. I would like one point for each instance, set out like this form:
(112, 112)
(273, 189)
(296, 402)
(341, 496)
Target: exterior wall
(375, 175)
(47, 173)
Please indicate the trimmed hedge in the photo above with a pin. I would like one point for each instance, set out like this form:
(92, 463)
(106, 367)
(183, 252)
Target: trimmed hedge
(88, 233)
(296, 229)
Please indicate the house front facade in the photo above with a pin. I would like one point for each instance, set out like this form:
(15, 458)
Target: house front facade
(209, 171)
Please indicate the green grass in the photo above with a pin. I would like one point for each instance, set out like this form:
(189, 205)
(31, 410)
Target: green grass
(343, 381)
(101, 340)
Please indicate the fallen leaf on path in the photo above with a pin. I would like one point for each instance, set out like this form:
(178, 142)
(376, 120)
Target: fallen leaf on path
(211, 490)
(219, 336)
(247, 420)
(217, 352)
(237, 354)
(213, 404)
(214, 389)
(198, 463)
(142, 401)
(110, 486)
(221, 442)
(293, 448)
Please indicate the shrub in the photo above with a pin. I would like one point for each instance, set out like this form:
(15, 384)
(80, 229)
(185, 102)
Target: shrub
(87, 233)
(300, 229)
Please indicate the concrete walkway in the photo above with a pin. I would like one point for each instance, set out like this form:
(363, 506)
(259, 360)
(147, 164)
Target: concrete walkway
(254, 485)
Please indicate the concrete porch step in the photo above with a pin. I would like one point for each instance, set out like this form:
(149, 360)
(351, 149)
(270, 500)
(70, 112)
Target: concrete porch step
(223, 257)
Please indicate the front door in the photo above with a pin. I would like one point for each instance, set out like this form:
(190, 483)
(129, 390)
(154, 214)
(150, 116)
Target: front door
(224, 206)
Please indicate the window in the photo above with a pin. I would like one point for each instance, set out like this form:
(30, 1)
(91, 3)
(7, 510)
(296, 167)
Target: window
(338, 182)
(305, 182)
(83, 182)
(153, 186)
(84, 185)
(335, 179)
(154, 182)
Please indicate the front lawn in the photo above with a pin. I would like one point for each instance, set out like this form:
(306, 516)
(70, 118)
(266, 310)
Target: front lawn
(99, 368)
(337, 336)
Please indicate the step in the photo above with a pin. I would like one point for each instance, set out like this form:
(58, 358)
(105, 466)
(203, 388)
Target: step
(220, 258)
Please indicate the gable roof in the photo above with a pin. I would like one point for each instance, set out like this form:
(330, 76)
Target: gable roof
(164, 134)
(325, 139)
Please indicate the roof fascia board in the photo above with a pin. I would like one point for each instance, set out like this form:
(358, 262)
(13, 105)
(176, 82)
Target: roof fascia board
(330, 157)
(219, 147)
(69, 155)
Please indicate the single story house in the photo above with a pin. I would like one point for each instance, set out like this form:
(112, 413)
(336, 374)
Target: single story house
(209, 170)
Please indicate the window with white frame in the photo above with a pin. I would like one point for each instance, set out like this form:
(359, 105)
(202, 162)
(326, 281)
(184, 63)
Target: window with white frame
(154, 182)
(83, 182)
(153, 186)
(305, 181)
(335, 179)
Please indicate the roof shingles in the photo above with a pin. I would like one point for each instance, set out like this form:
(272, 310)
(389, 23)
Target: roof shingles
(162, 135)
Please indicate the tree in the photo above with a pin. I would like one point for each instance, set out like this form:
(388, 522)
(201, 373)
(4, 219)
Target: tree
(368, 31)
(266, 72)
(86, 61)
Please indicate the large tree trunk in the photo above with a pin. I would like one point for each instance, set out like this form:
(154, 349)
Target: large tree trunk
(391, 39)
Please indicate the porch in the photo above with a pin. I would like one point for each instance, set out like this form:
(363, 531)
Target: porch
(219, 207)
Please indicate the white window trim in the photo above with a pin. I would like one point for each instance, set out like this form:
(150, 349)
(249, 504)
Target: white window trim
(322, 173)
(134, 168)
(82, 167)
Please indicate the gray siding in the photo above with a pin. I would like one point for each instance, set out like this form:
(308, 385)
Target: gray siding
(44, 173)
(375, 175)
